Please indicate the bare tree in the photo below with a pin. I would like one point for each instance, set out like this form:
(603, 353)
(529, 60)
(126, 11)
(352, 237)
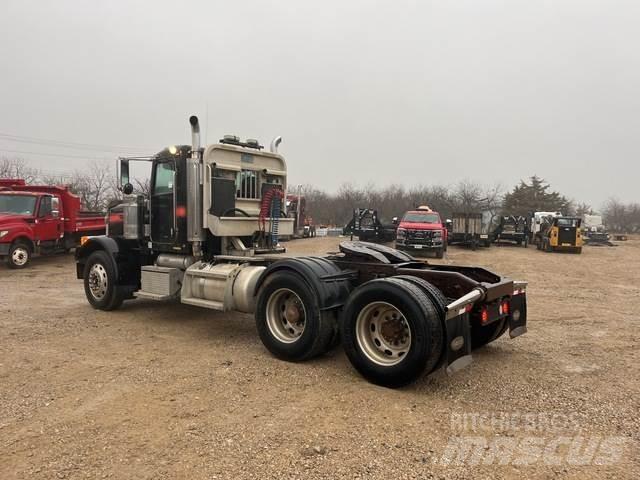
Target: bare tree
(142, 187)
(583, 209)
(94, 186)
(621, 217)
(17, 168)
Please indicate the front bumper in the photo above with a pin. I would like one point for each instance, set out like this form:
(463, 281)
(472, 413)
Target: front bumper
(423, 245)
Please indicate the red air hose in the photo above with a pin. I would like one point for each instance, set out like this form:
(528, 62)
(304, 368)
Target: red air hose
(265, 205)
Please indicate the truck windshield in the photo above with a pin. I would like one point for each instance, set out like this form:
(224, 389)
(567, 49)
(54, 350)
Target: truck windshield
(18, 204)
(421, 217)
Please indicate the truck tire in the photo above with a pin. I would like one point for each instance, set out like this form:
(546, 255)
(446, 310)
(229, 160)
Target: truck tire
(19, 255)
(289, 321)
(440, 253)
(484, 334)
(391, 332)
(101, 282)
(437, 298)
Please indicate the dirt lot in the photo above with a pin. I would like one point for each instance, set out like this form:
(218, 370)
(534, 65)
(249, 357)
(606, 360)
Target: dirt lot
(170, 391)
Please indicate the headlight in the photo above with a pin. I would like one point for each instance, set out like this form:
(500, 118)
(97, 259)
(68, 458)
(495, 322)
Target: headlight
(3, 233)
(437, 233)
(401, 233)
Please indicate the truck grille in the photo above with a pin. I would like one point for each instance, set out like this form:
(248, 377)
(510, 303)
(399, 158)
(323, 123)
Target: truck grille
(422, 237)
(419, 234)
(247, 186)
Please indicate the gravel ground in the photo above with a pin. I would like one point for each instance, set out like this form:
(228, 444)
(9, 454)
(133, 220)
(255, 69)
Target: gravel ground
(171, 391)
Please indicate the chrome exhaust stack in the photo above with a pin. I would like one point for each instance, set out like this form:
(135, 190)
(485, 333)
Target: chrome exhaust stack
(275, 143)
(194, 190)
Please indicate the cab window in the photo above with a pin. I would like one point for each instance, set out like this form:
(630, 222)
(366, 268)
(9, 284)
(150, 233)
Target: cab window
(164, 178)
(45, 206)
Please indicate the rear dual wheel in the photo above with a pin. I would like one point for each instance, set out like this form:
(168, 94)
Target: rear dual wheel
(289, 320)
(391, 331)
(481, 335)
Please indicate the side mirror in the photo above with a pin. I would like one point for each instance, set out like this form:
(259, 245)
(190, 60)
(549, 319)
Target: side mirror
(127, 189)
(55, 207)
(124, 174)
(394, 220)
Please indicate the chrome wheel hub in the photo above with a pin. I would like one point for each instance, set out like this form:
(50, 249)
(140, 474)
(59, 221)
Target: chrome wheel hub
(98, 281)
(383, 333)
(20, 256)
(286, 315)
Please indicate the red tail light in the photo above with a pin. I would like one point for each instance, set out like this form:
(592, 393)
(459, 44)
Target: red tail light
(485, 315)
(505, 307)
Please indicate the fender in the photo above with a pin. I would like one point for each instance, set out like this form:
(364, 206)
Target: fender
(330, 284)
(16, 230)
(118, 251)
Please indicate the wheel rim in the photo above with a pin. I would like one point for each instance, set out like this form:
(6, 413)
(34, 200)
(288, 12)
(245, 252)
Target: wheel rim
(20, 256)
(286, 315)
(383, 333)
(98, 281)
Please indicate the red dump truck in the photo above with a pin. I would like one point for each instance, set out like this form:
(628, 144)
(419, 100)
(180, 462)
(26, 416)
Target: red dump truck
(41, 219)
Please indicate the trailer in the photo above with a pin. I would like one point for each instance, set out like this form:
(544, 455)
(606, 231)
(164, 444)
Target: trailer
(513, 229)
(367, 226)
(397, 318)
(470, 229)
(41, 220)
(594, 233)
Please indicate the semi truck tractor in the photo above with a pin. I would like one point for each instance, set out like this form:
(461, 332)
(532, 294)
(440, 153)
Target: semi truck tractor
(41, 220)
(208, 235)
(303, 226)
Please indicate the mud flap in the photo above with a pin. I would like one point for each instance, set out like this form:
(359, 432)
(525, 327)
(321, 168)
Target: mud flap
(518, 316)
(458, 343)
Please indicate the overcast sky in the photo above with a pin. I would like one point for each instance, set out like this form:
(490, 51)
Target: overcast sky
(403, 92)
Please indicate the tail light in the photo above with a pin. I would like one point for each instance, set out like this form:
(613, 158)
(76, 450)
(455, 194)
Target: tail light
(484, 316)
(505, 307)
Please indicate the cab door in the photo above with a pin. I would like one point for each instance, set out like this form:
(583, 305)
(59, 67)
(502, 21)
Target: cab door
(48, 226)
(163, 202)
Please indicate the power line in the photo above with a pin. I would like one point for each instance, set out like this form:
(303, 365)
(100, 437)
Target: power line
(64, 144)
(57, 155)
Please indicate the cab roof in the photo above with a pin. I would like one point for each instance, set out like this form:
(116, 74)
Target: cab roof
(17, 192)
